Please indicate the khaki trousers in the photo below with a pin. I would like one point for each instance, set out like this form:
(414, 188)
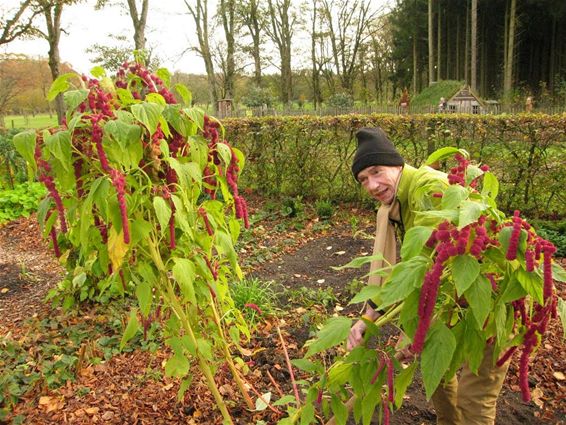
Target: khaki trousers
(471, 399)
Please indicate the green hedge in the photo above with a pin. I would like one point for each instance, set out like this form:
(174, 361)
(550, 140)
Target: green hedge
(310, 156)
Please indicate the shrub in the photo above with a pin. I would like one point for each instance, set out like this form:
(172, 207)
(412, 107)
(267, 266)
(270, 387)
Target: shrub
(254, 297)
(324, 209)
(20, 201)
(340, 100)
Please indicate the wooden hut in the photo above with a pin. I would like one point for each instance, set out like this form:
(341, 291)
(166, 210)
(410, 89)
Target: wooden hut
(466, 101)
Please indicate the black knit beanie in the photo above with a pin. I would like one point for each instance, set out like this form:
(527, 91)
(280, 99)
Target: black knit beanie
(374, 148)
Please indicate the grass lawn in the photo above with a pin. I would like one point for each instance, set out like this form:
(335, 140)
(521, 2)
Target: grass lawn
(39, 121)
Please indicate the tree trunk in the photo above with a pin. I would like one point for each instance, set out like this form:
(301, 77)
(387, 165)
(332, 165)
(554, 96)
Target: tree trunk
(282, 24)
(315, 77)
(438, 43)
(227, 8)
(415, 62)
(430, 46)
(139, 22)
(200, 16)
(52, 12)
(474, 46)
(467, 43)
(508, 73)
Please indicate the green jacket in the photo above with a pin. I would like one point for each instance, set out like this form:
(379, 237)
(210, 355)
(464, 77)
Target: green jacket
(415, 194)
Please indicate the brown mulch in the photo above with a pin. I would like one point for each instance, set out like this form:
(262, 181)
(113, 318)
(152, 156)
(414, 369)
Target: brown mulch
(130, 388)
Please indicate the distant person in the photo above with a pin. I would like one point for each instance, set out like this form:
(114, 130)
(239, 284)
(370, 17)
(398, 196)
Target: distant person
(442, 105)
(529, 104)
(404, 102)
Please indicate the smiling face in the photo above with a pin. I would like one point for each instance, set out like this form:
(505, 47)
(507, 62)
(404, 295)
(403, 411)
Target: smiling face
(380, 181)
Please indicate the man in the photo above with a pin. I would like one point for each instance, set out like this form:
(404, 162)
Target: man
(403, 191)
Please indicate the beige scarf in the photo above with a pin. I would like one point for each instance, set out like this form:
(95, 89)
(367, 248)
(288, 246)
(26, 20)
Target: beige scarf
(384, 242)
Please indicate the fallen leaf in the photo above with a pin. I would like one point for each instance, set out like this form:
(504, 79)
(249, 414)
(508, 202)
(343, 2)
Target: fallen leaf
(92, 410)
(537, 396)
(320, 281)
(4, 290)
(107, 416)
(340, 252)
(297, 275)
(559, 375)
(328, 248)
(261, 403)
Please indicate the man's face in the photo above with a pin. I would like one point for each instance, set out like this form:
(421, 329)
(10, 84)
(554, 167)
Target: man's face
(380, 181)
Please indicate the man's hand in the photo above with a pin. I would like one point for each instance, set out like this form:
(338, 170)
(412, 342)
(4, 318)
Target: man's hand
(356, 335)
(357, 331)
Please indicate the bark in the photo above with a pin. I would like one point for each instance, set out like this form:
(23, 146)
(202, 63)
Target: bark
(18, 25)
(474, 47)
(281, 33)
(251, 15)
(139, 21)
(227, 9)
(199, 12)
(52, 11)
(315, 62)
(348, 24)
(508, 72)
(430, 45)
(439, 43)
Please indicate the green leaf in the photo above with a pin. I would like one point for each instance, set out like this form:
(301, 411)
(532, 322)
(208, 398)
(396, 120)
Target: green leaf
(500, 320)
(339, 410)
(164, 75)
(465, 270)
(185, 384)
(144, 296)
(479, 298)
(513, 290)
(59, 145)
(204, 348)
(184, 273)
(74, 98)
(225, 153)
(131, 329)
(402, 382)
(470, 211)
(98, 72)
(436, 356)
(148, 114)
(180, 122)
(442, 153)
(558, 273)
(285, 400)
(60, 85)
(532, 283)
(25, 145)
(472, 172)
(453, 196)
(405, 278)
(163, 212)
(307, 414)
(125, 96)
(196, 115)
(474, 346)
(334, 332)
(359, 262)
(414, 241)
(307, 365)
(435, 216)
(185, 93)
(562, 314)
(366, 293)
(490, 185)
(177, 366)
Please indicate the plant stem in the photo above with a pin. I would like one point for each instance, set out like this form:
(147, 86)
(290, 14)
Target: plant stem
(228, 358)
(169, 294)
(290, 367)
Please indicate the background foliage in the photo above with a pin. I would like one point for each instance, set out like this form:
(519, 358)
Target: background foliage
(311, 156)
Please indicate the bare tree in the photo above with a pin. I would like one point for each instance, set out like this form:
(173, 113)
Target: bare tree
(198, 9)
(252, 17)
(18, 22)
(138, 14)
(348, 23)
(282, 20)
(318, 60)
(226, 12)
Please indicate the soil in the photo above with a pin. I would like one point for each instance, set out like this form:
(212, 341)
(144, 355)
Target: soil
(123, 390)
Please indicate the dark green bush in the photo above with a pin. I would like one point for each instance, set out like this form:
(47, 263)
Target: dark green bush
(20, 201)
(310, 156)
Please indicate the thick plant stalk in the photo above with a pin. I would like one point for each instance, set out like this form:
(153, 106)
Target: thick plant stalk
(228, 358)
(179, 312)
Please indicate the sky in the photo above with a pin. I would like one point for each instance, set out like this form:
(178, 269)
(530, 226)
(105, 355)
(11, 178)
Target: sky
(170, 32)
